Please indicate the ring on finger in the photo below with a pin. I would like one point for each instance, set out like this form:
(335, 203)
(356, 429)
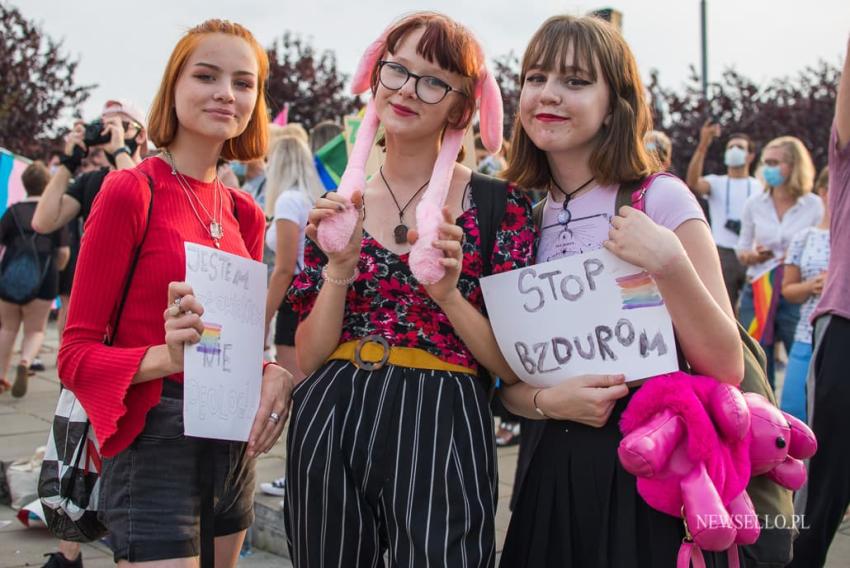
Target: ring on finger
(174, 309)
(274, 417)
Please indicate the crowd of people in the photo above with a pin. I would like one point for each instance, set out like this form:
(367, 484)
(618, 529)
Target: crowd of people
(389, 378)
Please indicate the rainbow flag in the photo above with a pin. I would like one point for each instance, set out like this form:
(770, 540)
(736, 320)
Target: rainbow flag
(211, 339)
(766, 293)
(11, 186)
(639, 291)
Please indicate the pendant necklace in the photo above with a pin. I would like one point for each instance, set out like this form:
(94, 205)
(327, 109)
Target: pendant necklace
(401, 230)
(214, 227)
(565, 216)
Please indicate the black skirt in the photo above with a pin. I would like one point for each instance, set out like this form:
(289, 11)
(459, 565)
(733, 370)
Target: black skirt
(578, 507)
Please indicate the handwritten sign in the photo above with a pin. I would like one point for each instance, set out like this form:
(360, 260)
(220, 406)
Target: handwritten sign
(223, 372)
(583, 314)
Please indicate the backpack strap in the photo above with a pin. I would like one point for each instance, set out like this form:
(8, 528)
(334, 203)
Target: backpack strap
(633, 192)
(490, 196)
(108, 339)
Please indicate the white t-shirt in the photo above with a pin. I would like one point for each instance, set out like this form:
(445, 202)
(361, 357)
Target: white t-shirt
(726, 200)
(760, 225)
(291, 205)
(669, 203)
(809, 251)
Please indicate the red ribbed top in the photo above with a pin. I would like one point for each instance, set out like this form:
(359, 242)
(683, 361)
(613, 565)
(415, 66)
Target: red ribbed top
(100, 375)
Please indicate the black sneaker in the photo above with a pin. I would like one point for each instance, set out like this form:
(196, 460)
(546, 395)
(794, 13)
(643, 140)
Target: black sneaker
(37, 365)
(58, 560)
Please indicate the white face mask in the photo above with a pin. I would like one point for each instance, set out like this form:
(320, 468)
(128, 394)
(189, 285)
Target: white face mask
(735, 157)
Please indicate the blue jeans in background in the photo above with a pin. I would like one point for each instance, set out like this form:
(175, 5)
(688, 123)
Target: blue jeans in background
(794, 387)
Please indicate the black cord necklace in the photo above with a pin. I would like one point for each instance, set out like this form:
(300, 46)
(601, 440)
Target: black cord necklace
(400, 231)
(565, 216)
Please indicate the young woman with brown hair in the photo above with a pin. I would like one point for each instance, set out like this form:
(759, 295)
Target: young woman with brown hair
(579, 133)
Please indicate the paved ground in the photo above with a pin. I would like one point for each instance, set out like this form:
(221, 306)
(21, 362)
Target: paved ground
(25, 424)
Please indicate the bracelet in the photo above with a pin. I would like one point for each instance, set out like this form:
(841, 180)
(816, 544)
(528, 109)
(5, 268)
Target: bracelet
(121, 150)
(340, 281)
(534, 402)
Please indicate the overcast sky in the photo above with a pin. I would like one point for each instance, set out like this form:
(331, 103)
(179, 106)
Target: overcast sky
(123, 46)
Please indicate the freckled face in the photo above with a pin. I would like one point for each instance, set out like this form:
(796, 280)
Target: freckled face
(216, 92)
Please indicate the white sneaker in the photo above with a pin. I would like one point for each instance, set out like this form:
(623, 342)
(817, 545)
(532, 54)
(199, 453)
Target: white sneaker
(276, 487)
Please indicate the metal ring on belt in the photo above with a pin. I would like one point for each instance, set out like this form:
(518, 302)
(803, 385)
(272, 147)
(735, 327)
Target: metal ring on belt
(371, 365)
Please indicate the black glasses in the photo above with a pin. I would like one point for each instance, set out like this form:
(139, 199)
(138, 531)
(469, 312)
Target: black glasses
(430, 90)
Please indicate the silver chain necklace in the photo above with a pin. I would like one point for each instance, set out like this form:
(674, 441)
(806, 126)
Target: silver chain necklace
(214, 228)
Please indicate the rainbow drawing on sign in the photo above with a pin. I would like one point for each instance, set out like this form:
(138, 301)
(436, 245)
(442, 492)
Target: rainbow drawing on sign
(639, 291)
(211, 339)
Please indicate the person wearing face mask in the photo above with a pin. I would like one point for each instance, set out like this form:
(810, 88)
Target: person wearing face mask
(67, 198)
(768, 223)
(726, 195)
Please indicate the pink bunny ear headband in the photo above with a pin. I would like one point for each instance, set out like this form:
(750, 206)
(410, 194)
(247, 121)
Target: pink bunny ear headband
(335, 232)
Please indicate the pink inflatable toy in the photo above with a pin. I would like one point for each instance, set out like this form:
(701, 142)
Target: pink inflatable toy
(694, 443)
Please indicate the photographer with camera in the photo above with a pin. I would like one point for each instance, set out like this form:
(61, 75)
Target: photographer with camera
(726, 195)
(120, 132)
(120, 135)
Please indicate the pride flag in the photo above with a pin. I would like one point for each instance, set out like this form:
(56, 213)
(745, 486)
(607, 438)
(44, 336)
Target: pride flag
(766, 292)
(11, 186)
(331, 160)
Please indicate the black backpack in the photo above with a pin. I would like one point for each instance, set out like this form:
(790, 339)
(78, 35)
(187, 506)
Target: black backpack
(23, 271)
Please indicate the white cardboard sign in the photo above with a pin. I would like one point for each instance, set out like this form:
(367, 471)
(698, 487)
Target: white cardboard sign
(222, 374)
(585, 314)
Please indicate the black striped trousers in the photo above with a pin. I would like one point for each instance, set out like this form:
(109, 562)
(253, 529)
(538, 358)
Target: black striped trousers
(398, 460)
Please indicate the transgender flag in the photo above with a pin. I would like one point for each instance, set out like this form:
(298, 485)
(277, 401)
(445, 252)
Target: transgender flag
(11, 186)
(766, 292)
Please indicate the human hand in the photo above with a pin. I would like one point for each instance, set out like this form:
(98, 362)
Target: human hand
(637, 239)
(115, 129)
(588, 399)
(182, 322)
(275, 402)
(340, 264)
(708, 133)
(817, 283)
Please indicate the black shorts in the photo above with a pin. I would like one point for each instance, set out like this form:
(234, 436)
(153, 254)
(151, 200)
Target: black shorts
(150, 497)
(287, 322)
(66, 276)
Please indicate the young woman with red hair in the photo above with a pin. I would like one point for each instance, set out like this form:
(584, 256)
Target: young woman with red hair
(209, 106)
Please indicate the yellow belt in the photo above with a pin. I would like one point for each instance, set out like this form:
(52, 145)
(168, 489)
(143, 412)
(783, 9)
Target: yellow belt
(373, 352)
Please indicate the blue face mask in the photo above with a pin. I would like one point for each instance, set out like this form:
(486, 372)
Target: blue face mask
(773, 176)
(238, 169)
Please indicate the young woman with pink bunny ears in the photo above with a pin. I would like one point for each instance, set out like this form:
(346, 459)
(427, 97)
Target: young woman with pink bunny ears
(391, 445)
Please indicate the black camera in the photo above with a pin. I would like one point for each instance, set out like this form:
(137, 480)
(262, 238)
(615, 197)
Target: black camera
(94, 135)
(733, 225)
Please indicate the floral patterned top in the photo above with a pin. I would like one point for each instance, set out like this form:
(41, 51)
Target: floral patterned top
(387, 300)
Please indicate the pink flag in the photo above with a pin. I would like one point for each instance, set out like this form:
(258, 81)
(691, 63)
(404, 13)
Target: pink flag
(283, 116)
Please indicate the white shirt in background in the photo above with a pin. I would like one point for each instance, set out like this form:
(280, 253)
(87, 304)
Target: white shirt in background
(726, 200)
(760, 225)
(291, 205)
